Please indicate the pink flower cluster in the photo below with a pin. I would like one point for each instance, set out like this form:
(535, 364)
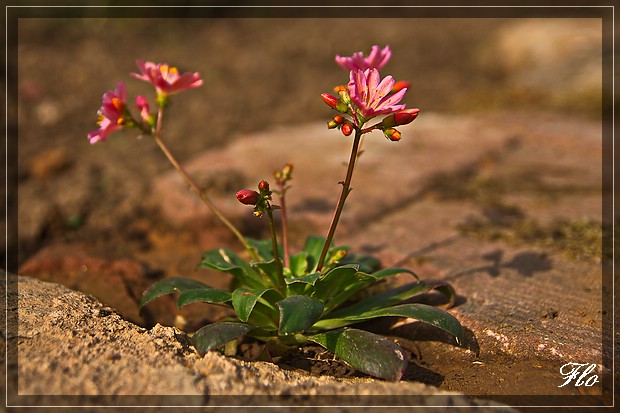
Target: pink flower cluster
(367, 95)
(114, 114)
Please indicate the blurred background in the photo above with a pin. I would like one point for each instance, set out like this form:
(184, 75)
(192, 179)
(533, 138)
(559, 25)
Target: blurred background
(259, 73)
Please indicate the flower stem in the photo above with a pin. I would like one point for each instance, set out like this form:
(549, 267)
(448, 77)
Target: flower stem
(284, 221)
(346, 189)
(276, 253)
(194, 186)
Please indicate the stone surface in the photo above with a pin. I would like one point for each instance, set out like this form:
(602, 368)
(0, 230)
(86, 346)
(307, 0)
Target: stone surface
(558, 61)
(70, 344)
(539, 151)
(117, 283)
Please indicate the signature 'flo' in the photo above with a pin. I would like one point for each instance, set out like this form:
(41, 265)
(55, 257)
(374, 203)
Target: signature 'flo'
(373, 96)
(165, 78)
(112, 114)
(376, 59)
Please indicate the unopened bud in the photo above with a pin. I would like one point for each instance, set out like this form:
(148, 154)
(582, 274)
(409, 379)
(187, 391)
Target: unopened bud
(342, 107)
(392, 134)
(247, 197)
(338, 255)
(340, 88)
(331, 100)
(402, 117)
(339, 119)
(263, 185)
(332, 124)
(344, 97)
(287, 170)
(400, 85)
(346, 129)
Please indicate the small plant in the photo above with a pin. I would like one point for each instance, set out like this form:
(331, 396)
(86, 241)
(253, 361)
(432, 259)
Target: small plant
(283, 298)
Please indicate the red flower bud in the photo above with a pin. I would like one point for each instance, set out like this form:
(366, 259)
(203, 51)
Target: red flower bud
(331, 100)
(263, 185)
(401, 84)
(346, 129)
(402, 117)
(338, 119)
(406, 116)
(247, 197)
(392, 134)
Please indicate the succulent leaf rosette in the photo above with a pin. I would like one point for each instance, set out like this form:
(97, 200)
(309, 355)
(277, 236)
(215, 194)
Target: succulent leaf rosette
(312, 295)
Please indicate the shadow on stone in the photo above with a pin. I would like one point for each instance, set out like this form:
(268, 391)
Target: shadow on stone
(416, 372)
(427, 249)
(419, 331)
(526, 263)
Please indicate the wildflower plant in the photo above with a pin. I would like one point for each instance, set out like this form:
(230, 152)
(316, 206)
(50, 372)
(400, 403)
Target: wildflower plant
(285, 298)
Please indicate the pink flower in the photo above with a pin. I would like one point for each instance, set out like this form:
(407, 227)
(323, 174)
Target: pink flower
(166, 79)
(375, 60)
(111, 114)
(373, 96)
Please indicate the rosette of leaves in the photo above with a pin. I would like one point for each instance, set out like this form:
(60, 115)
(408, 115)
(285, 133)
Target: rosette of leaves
(313, 307)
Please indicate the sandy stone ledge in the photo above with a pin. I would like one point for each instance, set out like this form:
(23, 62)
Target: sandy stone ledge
(73, 350)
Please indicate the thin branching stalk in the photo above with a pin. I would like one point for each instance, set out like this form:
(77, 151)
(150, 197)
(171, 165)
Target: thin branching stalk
(284, 222)
(276, 253)
(346, 189)
(194, 186)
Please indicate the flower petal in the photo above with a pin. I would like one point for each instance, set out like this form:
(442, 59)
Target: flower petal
(380, 91)
(395, 98)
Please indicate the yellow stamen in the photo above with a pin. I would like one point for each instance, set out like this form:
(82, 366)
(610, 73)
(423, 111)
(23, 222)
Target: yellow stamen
(118, 104)
(169, 73)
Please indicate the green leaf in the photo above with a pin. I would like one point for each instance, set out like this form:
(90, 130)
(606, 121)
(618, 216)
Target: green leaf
(244, 300)
(305, 279)
(269, 268)
(422, 312)
(303, 285)
(366, 263)
(388, 272)
(226, 260)
(392, 297)
(263, 248)
(299, 264)
(217, 334)
(203, 295)
(313, 248)
(168, 286)
(338, 284)
(298, 313)
(335, 281)
(367, 352)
